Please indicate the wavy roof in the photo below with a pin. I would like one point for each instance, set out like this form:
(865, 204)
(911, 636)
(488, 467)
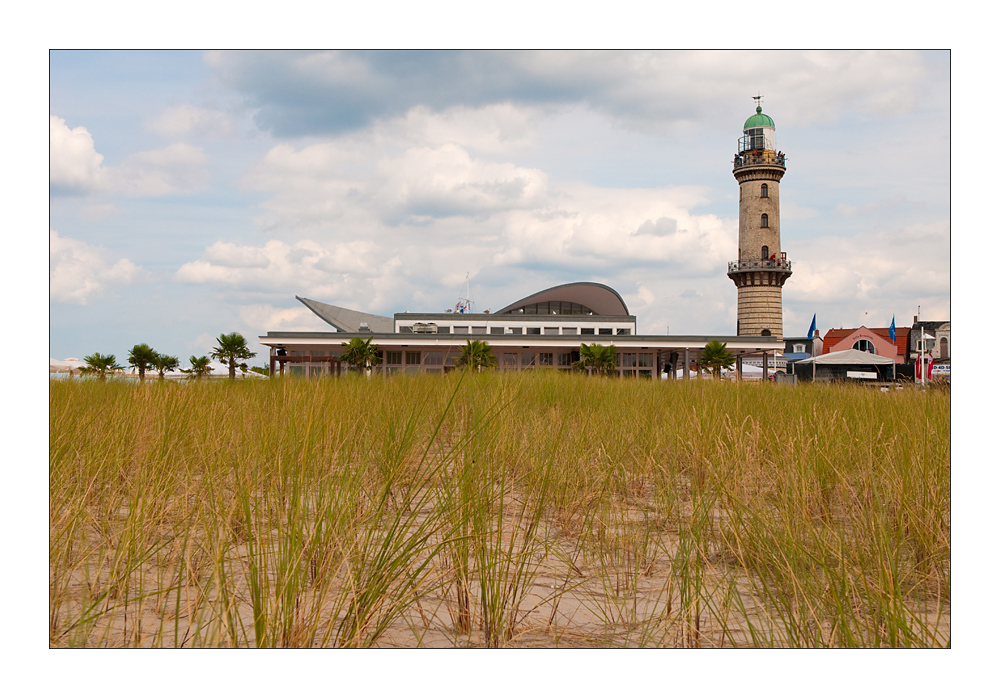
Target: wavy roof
(601, 299)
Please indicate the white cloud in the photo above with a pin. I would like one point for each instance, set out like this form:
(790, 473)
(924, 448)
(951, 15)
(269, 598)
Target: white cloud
(279, 266)
(265, 317)
(79, 272)
(882, 270)
(76, 167)
(178, 168)
(74, 163)
(186, 119)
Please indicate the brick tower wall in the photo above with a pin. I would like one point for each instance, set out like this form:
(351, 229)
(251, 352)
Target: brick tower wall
(759, 308)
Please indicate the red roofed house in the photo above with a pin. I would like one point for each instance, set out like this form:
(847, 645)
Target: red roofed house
(874, 340)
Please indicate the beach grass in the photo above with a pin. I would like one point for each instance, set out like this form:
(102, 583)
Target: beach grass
(498, 509)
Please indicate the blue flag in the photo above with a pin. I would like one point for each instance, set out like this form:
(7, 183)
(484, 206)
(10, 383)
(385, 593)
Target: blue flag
(812, 327)
(892, 330)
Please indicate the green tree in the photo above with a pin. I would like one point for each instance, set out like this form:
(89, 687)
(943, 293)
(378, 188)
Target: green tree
(164, 363)
(262, 370)
(361, 353)
(100, 365)
(142, 357)
(230, 351)
(597, 358)
(199, 367)
(716, 357)
(476, 354)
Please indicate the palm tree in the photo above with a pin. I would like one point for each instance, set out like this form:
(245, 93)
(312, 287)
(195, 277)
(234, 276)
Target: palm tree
(715, 357)
(142, 357)
(231, 348)
(598, 358)
(199, 367)
(164, 363)
(100, 364)
(361, 353)
(476, 354)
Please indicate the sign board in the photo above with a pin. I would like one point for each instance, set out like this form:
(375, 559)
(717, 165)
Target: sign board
(869, 375)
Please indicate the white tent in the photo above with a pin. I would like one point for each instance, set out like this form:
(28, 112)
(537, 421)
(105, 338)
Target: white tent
(848, 357)
(71, 366)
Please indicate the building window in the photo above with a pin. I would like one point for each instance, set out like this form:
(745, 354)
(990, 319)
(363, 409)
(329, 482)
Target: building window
(510, 361)
(496, 330)
(765, 333)
(604, 330)
(587, 330)
(645, 360)
(461, 330)
(943, 349)
(515, 330)
(534, 330)
(412, 358)
(569, 330)
(864, 345)
(394, 357)
(567, 358)
(545, 359)
(763, 253)
(433, 358)
(527, 359)
(799, 348)
(551, 330)
(763, 220)
(406, 328)
(624, 330)
(763, 191)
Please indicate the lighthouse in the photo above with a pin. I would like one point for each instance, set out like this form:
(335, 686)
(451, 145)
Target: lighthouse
(761, 268)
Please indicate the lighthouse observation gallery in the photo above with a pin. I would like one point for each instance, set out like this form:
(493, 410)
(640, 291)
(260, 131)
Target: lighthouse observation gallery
(761, 268)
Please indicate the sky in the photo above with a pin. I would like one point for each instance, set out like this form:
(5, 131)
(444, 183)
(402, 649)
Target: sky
(194, 193)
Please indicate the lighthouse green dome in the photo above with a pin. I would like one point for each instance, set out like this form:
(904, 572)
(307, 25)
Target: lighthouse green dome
(759, 120)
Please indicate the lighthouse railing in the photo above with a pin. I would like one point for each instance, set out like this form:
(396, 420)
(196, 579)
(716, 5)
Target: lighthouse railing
(760, 265)
(749, 160)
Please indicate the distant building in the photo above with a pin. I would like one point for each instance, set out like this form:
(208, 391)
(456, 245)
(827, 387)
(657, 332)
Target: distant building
(874, 340)
(543, 330)
(800, 348)
(939, 345)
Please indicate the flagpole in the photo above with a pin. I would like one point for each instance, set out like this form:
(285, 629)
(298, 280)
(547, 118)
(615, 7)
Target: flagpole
(920, 345)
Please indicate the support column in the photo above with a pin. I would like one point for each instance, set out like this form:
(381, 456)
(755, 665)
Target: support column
(687, 363)
(739, 368)
(765, 366)
(271, 372)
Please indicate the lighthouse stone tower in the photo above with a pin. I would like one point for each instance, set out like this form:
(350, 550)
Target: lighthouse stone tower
(761, 269)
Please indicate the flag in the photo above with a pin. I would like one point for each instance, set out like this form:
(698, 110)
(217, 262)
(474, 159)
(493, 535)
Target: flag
(924, 367)
(812, 327)
(892, 330)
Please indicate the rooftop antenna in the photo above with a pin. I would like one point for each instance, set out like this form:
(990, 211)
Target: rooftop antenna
(464, 304)
(758, 98)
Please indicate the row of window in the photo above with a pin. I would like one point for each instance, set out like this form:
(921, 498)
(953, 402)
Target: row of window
(524, 359)
(552, 308)
(482, 329)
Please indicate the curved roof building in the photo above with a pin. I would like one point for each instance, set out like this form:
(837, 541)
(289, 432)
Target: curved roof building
(542, 330)
(580, 298)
